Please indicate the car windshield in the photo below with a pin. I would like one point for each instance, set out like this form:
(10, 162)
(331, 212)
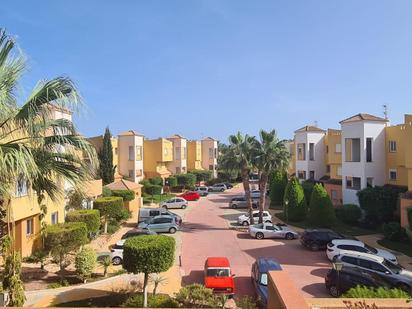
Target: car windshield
(218, 272)
(264, 279)
(393, 268)
(371, 249)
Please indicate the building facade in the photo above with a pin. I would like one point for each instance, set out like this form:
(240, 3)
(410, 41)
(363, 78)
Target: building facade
(209, 155)
(194, 155)
(179, 163)
(158, 154)
(130, 154)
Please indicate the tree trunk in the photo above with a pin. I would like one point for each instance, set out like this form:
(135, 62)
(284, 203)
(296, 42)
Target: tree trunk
(155, 288)
(105, 225)
(263, 181)
(146, 279)
(246, 187)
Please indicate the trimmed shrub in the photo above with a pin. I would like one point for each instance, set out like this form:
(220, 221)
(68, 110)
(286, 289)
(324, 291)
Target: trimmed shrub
(106, 192)
(349, 213)
(153, 189)
(393, 231)
(112, 226)
(111, 208)
(294, 203)
(172, 181)
(91, 217)
(157, 181)
(277, 185)
(64, 238)
(85, 263)
(197, 296)
(321, 212)
(381, 292)
(307, 186)
(154, 301)
(127, 195)
(201, 175)
(187, 180)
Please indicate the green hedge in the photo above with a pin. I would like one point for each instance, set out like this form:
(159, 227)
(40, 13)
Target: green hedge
(127, 195)
(91, 217)
(277, 185)
(153, 189)
(153, 301)
(349, 213)
(201, 175)
(158, 181)
(393, 231)
(365, 292)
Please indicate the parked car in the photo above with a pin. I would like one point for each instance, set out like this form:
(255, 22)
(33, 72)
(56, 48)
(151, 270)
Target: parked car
(240, 202)
(218, 276)
(350, 277)
(137, 232)
(228, 185)
(317, 239)
(202, 190)
(269, 230)
(335, 246)
(190, 196)
(116, 252)
(175, 202)
(260, 269)
(148, 213)
(392, 273)
(161, 224)
(245, 219)
(255, 194)
(218, 187)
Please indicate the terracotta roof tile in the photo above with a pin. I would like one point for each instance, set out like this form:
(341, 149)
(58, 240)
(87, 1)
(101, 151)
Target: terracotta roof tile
(364, 117)
(309, 129)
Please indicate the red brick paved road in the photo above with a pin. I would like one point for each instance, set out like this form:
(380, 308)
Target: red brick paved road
(206, 233)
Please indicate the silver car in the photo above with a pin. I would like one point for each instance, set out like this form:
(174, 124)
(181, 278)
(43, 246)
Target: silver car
(269, 230)
(161, 224)
(176, 202)
(202, 190)
(240, 202)
(219, 187)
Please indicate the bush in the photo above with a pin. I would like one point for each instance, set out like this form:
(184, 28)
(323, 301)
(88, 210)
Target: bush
(349, 213)
(321, 212)
(153, 189)
(186, 180)
(307, 186)
(111, 208)
(365, 292)
(85, 263)
(277, 185)
(63, 238)
(410, 218)
(91, 217)
(172, 181)
(106, 192)
(127, 195)
(393, 231)
(295, 210)
(197, 296)
(113, 226)
(154, 301)
(56, 285)
(246, 302)
(157, 181)
(202, 175)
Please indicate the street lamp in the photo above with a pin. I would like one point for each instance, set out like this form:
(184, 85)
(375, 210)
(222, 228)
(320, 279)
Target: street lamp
(287, 211)
(338, 267)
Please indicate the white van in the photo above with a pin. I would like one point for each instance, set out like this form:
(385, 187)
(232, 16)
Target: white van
(148, 213)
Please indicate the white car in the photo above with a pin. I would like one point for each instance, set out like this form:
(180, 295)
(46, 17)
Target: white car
(245, 219)
(269, 230)
(335, 247)
(176, 202)
(202, 190)
(116, 252)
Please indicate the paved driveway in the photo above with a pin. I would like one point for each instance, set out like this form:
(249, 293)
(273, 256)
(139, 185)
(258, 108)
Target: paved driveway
(206, 233)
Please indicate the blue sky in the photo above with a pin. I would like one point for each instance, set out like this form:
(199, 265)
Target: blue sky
(211, 68)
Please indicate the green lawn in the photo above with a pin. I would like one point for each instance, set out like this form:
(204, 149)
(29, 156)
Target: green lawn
(339, 227)
(404, 247)
(147, 199)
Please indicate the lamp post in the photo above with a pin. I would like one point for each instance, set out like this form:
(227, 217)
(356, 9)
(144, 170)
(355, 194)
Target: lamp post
(287, 211)
(338, 267)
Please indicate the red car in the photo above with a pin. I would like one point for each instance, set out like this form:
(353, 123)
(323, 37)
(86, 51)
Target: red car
(190, 196)
(218, 276)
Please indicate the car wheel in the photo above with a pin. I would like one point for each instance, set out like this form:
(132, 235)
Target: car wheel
(314, 246)
(183, 206)
(116, 260)
(333, 290)
(222, 190)
(164, 207)
(234, 206)
(268, 221)
(335, 258)
(260, 235)
(172, 230)
(245, 223)
(289, 236)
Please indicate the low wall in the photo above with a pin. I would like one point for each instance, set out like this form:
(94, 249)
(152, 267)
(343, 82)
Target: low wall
(338, 303)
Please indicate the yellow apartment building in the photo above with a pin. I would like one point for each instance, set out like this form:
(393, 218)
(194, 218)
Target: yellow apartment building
(194, 155)
(292, 160)
(333, 162)
(158, 153)
(179, 163)
(97, 142)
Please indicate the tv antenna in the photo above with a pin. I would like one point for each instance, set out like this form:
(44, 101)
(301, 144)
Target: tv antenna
(385, 111)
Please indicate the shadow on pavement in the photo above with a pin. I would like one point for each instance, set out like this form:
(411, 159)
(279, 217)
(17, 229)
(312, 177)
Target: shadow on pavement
(316, 289)
(193, 227)
(243, 286)
(195, 276)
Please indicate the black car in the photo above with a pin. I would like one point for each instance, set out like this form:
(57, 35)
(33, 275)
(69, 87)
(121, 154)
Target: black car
(228, 185)
(350, 277)
(134, 233)
(317, 239)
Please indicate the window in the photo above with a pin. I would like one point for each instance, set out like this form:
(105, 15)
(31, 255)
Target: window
(302, 174)
(338, 148)
(131, 154)
(352, 150)
(393, 174)
(55, 217)
(327, 149)
(21, 187)
(369, 182)
(29, 227)
(392, 146)
(184, 153)
(154, 213)
(334, 194)
(270, 227)
(368, 149)
(312, 174)
(139, 153)
(215, 152)
(339, 171)
(139, 173)
(131, 173)
(177, 170)
(178, 154)
(350, 260)
(301, 151)
(211, 167)
(115, 150)
(353, 183)
(211, 153)
(328, 168)
(312, 151)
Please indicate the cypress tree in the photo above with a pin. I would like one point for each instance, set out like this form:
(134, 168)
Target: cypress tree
(294, 202)
(277, 186)
(321, 211)
(106, 159)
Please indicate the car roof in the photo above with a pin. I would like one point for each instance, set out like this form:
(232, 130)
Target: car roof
(162, 216)
(266, 264)
(348, 242)
(356, 254)
(217, 262)
(120, 242)
(320, 230)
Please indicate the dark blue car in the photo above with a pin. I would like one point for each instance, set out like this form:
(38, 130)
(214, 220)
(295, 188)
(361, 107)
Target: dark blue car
(260, 271)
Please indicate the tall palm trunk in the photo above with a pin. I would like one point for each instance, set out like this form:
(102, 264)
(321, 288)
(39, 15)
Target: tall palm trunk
(246, 187)
(263, 182)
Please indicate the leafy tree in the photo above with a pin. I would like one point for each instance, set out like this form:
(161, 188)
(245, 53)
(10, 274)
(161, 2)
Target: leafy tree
(186, 180)
(64, 238)
(106, 158)
(110, 207)
(85, 263)
(153, 189)
(277, 185)
(127, 195)
(91, 217)
(172, 180)
(294, 202)
(202, 175)
(321, 211)
(148, 254)
(76, 198)
(157, 181)
(349, 213)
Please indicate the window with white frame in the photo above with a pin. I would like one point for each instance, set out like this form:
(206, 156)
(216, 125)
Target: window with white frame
(302, 174)
(131, 173)
(338, 148)
(55, 217)
(29, 227)
(139, 150)
(211, 153)
(21, 187)
(131, 153)
(392, 146)
(369, 182)
(339, 171)
(393, 175)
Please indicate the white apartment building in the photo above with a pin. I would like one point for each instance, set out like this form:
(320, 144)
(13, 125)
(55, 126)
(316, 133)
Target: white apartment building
(130, 152)
(179, 163)
(310, 153)
(209, 155)
(363, 154)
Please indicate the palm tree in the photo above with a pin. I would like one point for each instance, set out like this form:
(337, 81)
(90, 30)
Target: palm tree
(240, 150)
(270, 154)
